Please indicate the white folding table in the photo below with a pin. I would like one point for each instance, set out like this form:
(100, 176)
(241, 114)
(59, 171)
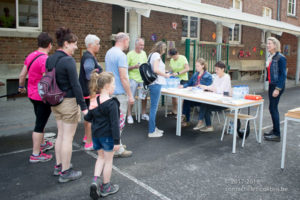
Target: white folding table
(213, 99)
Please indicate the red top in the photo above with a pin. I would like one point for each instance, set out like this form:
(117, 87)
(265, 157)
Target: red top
(269, 72)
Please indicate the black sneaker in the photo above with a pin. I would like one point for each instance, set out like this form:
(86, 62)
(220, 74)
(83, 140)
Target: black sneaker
(108, 189)
(69, 175)
(94, 191)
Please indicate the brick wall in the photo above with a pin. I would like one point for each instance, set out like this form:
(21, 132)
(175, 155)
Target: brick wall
(82, 17)
(291, 40)
(161, 24)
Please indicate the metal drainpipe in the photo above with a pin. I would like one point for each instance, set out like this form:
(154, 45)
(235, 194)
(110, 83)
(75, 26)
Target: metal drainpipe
(278, 9)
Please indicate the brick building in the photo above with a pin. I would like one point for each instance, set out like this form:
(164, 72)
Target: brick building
(204, 23)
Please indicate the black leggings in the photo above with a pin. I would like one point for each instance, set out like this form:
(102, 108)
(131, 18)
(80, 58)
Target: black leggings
(42, 112)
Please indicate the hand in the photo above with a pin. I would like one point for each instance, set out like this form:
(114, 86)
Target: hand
(167, 75)
(136, 66)
(22, 90)
(174, 74)
(275, 93)
(131, 100)
(180, 86)
(116, 147)
(85, 111)
(204, 87)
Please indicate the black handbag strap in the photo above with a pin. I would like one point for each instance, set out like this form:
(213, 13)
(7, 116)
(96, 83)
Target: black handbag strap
(33, 61)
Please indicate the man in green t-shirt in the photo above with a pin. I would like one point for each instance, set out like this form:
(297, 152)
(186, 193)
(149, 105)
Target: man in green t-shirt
(135, 58)
(180, 68)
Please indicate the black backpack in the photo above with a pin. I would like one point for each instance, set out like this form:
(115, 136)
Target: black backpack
(147, 73)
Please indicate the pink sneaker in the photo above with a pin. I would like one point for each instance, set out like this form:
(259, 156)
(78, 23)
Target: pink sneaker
(88, 146)
(42, 157)
(47, 146)
(84, 139)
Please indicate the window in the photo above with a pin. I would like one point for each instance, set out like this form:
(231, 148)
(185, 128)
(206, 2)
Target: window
(235, 34)
(21, 14)
(291, 7)
(120, 19)
(237, 4)
(190, 27)
(267, 12)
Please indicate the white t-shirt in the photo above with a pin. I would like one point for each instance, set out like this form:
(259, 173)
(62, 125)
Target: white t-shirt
(160, 79)
(221, 85)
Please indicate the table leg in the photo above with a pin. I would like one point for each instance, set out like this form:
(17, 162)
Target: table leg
(284, 143)
(260, 122)
(234, 130)
(166, 106)
(179, 111)
(139, 109)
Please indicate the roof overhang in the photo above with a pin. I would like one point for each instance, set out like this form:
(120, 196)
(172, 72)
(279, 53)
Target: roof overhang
(209, 12)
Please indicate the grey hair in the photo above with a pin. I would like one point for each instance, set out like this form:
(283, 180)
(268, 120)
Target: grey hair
(121, 36)
(138, 39)
(276, 43)
(91, 39)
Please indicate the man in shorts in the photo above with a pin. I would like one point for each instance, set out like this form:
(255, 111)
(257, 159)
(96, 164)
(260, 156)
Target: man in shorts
(116, 62)
(135, 58)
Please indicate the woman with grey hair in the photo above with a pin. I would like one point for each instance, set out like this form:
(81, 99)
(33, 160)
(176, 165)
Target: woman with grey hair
(158, 67)
(87, 64)
(276, 76)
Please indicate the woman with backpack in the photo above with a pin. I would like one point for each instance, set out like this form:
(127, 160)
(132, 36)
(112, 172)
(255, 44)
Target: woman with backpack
(158, 67)
(67, 113)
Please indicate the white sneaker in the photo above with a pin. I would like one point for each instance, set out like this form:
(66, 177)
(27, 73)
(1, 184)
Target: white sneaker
(155, 134)
(129, 120)
(145, 117)
(159, 131)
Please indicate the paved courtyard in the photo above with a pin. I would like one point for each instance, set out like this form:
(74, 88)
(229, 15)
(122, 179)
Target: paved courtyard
(194, 166)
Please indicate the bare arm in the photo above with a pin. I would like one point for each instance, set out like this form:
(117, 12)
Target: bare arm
(125, 83)
(22, 79)
(156, 69)
(133, 67)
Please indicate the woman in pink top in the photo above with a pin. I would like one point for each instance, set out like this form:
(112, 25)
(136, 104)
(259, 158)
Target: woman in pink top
(34, 66)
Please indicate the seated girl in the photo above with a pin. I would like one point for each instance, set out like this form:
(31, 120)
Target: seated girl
(200, 77)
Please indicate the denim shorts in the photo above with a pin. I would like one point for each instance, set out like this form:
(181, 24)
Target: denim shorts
(105, 143)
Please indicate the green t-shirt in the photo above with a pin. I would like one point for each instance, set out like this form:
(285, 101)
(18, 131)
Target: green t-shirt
(178, 66)
(134, 58)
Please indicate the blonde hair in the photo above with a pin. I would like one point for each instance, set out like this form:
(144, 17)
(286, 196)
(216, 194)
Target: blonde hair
(276, 43)
(202, 61)
(159, 47)
(98, 81)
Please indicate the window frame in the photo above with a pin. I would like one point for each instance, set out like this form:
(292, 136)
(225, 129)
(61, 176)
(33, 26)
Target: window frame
(241, 5)
(189, 29)
(264, 12)
(232, 35)
(295, 7)
(23, 28)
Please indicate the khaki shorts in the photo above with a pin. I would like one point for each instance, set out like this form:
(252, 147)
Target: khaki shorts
(68, 111)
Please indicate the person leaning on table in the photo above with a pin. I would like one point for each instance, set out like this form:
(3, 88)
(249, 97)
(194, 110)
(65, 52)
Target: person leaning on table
(221, 85)
(180, 68)
(200, 77)
(276, 76)
(158, 67)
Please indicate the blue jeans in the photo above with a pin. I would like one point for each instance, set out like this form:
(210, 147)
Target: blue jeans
(154, 99)
(205, 112)
(187, 108)
(273, 108)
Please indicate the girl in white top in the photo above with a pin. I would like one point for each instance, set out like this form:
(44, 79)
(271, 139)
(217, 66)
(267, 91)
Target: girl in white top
(158, 67)
(221, 85)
